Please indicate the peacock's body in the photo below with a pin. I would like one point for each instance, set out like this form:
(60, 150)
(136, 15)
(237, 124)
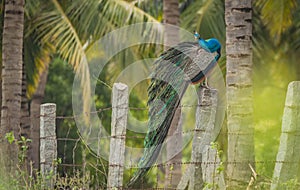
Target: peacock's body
(175, 69)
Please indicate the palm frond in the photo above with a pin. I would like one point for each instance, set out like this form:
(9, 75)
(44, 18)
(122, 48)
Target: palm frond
(261, 40)
(36, 59)
(207, 17)
(292, 35)
(277, 15)
(53, 26)
(74, 28)
(152, 7)
(93, 19)
(104, 16)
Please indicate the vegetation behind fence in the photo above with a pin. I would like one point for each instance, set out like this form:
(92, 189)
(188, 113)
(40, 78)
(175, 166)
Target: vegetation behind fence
(205, 157)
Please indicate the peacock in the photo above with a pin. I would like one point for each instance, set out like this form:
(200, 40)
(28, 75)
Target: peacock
(176, 68)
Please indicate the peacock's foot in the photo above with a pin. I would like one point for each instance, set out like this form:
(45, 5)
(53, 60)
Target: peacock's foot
(205, 84)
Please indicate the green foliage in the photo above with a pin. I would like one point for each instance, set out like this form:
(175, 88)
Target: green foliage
(154, 8)
(54, 26)
(277, 15)
(271, 78)
(34, 180)
(73, 27)
(216, 146)
(76, 182)
(211, 186)
(23, 144)
(59, 86)
(291, 184)
(206, 17)
(68, 29)
(275, 65)
(10, 137)
(22, 178)
(36, 61)
(73, 150)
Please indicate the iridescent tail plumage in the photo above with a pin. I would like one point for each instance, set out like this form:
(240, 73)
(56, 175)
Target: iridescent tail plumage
(174, 70)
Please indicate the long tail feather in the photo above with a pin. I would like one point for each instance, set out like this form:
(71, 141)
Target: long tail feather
(155, 138)
(174, 70)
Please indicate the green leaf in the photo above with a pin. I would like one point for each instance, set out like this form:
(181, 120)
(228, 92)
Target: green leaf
(10, 137)
(23, 138)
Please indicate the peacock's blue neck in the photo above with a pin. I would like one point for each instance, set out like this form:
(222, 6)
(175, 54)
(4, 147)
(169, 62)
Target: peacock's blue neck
(211, 45)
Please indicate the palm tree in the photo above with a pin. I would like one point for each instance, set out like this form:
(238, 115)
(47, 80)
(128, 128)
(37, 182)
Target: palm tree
(171, 36)
(238, 18)
(12, 60)
(67, 29)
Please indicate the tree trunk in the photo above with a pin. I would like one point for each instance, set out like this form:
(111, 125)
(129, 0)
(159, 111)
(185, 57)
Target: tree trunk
(36, 101)
(25, 116)
(12, 59)
(238, 18)
(171, 17)
(171, 37)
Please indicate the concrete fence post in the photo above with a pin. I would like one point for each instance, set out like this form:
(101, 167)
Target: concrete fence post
(197, 175)
(48, 143)
(288, 156)
(118, 134)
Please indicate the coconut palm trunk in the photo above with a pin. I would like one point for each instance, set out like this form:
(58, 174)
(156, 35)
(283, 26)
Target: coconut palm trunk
(171, 37)
(25, 115)
(238, 18)
(12, 59)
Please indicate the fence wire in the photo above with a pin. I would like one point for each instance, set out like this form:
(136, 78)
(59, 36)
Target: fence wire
(76, 156)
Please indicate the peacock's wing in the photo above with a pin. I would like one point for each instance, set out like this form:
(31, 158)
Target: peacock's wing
(174, 70)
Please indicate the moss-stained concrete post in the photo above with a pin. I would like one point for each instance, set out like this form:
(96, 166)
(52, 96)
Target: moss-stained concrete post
(48, 147)
(196, 174)
(118, 134)
(288, 156)
(205, 124)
